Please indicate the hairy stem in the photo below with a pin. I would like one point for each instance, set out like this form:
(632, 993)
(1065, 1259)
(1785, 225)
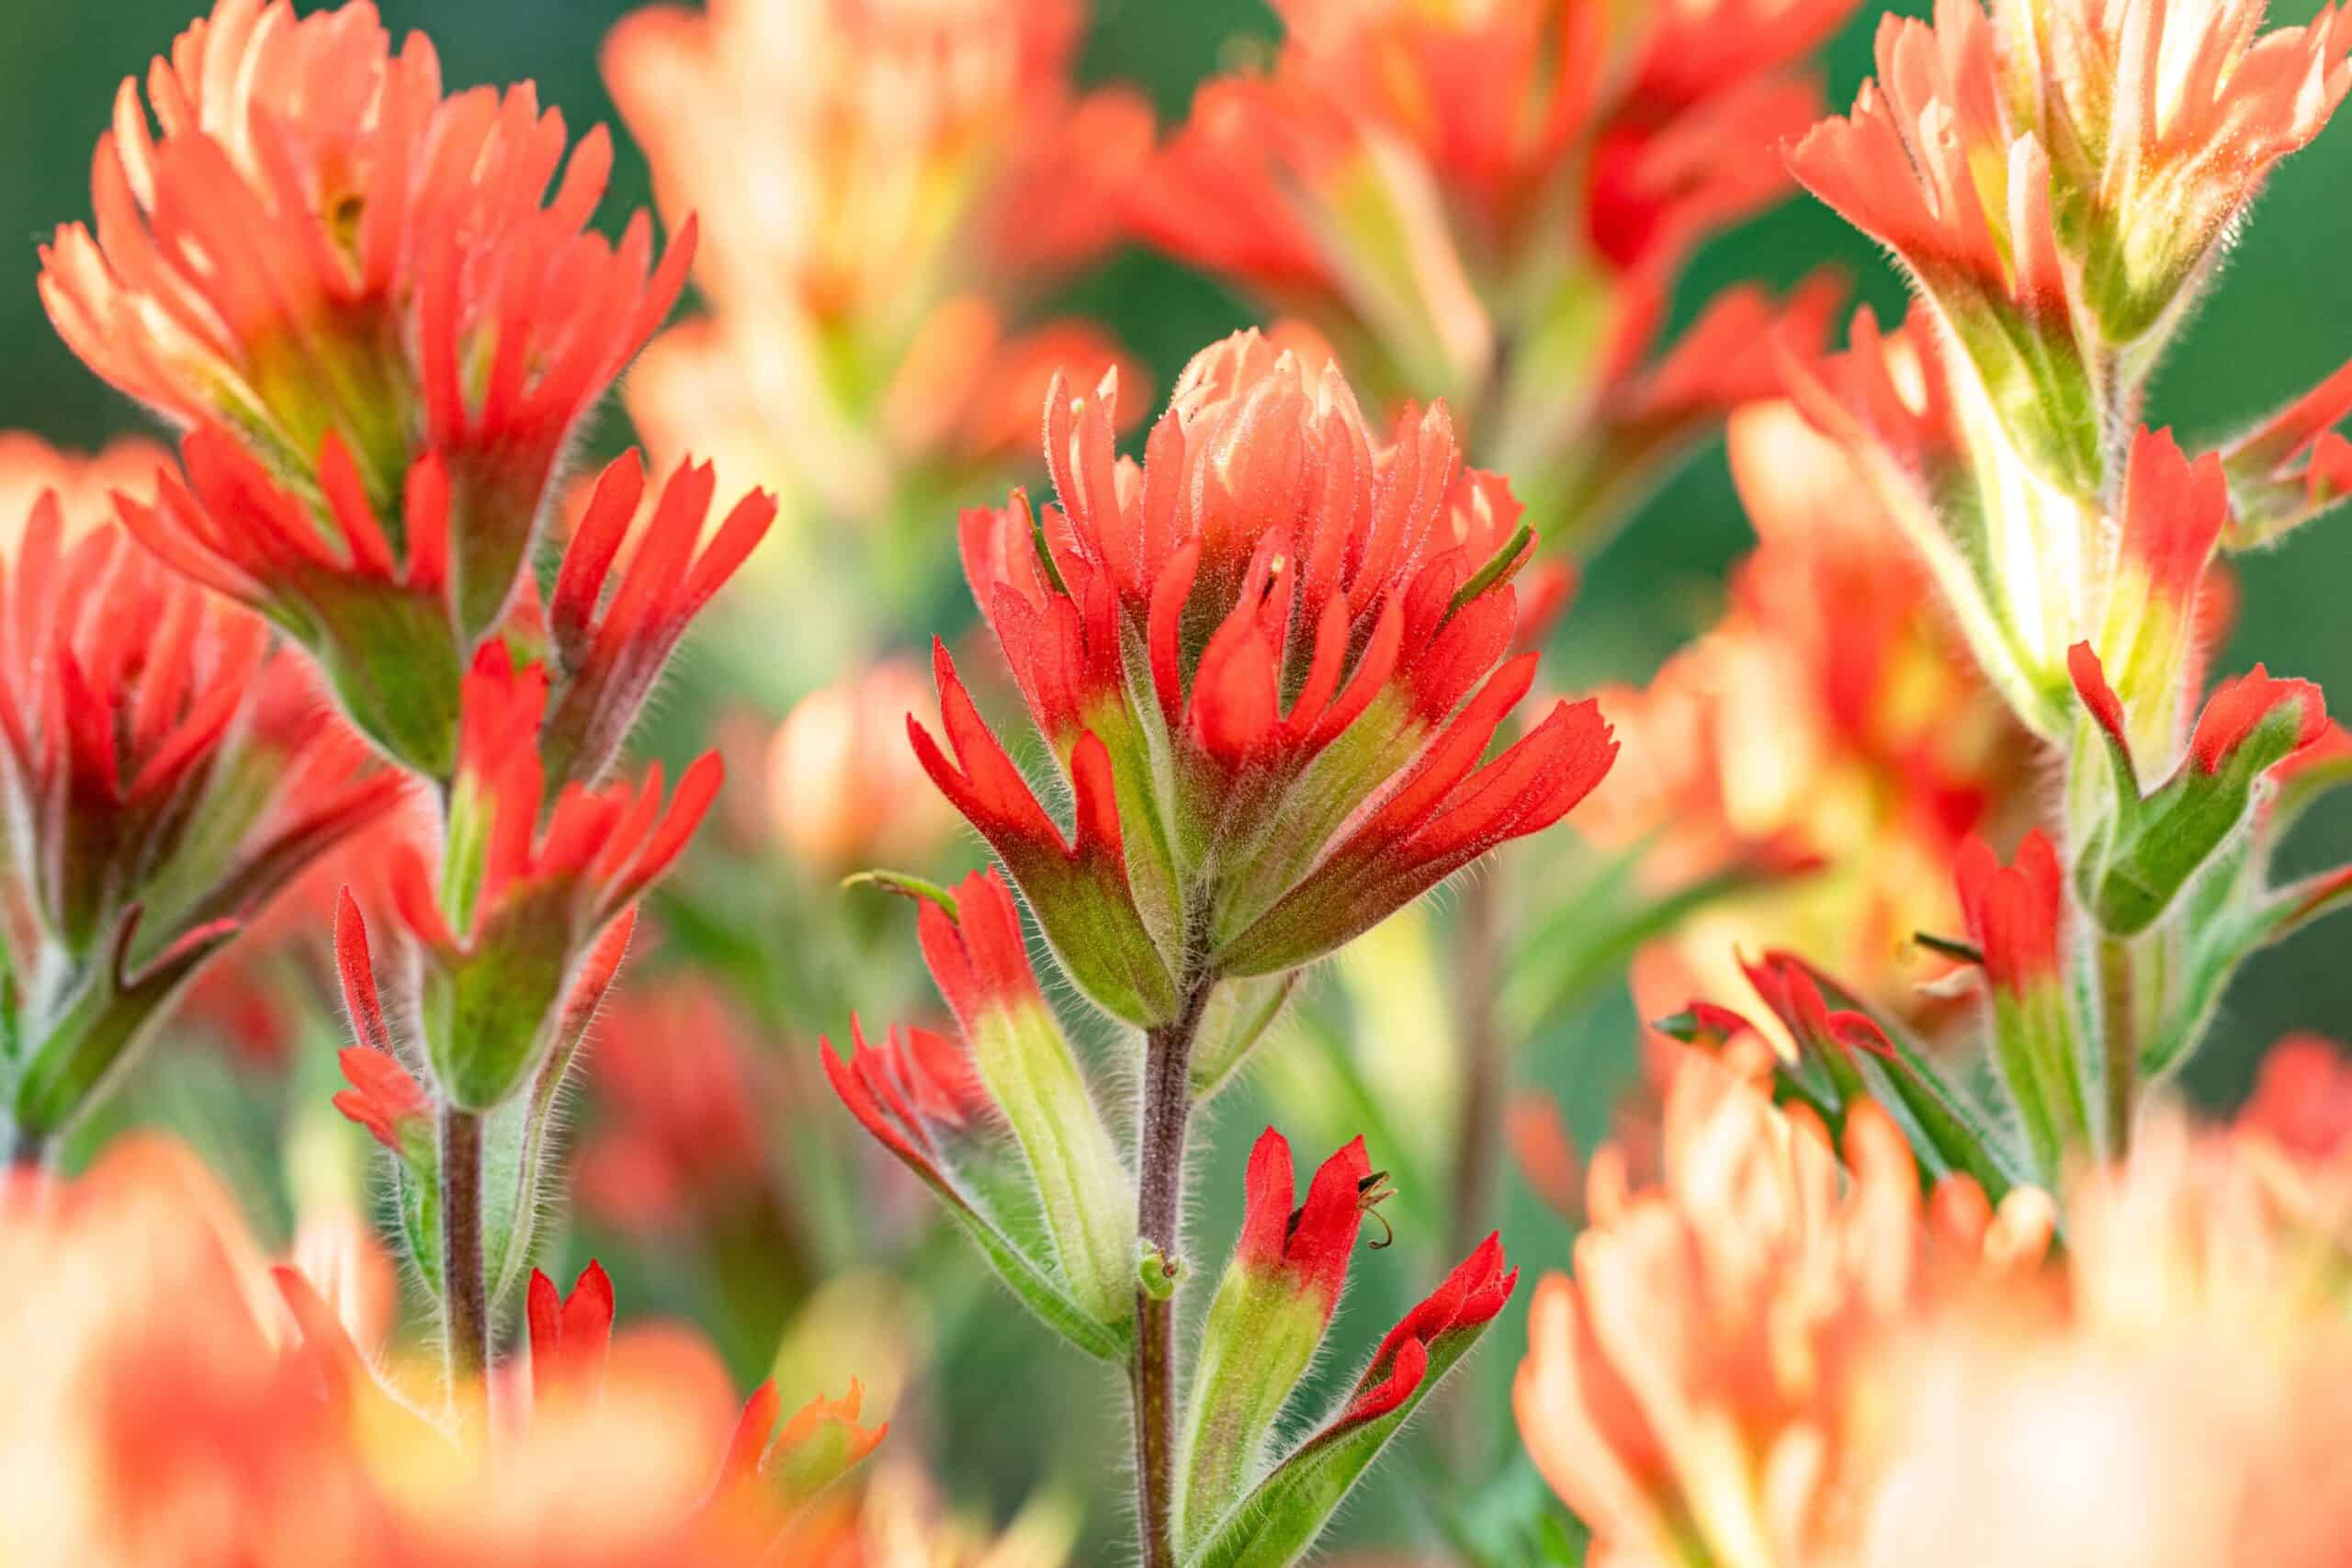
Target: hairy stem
(465, 1293)
(2120, 1040)
(1160, 1199)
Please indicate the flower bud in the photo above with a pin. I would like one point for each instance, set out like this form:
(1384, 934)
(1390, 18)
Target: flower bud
(1268, 1318)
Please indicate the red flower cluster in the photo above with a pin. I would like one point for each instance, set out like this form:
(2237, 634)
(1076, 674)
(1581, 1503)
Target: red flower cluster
(1267, 659)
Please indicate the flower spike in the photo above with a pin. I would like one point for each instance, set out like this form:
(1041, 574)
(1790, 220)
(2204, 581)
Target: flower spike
(1284, 1513)
(379, 329)
(937, 1107)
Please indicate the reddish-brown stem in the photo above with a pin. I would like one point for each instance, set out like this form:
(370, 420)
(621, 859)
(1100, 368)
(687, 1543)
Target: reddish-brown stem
(1159, 1199)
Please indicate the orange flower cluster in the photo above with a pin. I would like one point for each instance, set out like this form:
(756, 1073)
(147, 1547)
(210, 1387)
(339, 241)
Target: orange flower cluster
(1765, 1360)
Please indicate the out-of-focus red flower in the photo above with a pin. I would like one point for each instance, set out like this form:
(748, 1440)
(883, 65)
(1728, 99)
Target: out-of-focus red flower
(2302, 1098)
(844, 792)
(166, 771)
(1492, 202)
(918, 173)
(1316, 622)
(172, 1401)
(682, 1119)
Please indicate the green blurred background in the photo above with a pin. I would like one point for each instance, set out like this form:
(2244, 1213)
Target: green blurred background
(2280, 319)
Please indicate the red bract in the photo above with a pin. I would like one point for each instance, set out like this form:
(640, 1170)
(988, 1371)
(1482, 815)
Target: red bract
(818, 1446)
(1018, 1067)
(1267, 660)
(1438, 1329)
(2014, 912)
(1306, 1248)
(165, 772)
(2257, 699)
(570, 1333)
(528, 923)
(610, 645)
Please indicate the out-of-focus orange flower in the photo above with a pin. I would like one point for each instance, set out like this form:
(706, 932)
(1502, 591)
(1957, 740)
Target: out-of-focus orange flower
(1697, 1387)
(1491, 203)
(2185, 1399)
(845, 790)
(169, 1401)
(1829, 724)
(889, 183)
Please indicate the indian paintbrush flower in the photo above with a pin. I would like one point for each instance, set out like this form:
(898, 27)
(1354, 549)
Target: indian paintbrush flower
(1286, 1509)
(1268, 1318)
(379, 330)
(1269, 660)
(2060, 178)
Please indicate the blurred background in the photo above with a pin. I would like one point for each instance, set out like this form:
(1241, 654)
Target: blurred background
(803, 949)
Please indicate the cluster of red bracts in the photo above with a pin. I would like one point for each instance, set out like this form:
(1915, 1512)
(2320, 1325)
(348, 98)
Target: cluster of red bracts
(1270, 660)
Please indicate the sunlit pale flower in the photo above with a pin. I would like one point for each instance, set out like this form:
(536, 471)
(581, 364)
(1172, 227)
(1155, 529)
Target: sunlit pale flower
(2025, 568)
(1405, 174)
(315, 249)
(889, 183)
(1316, 623)
(1699, 1385)
(2185, 1400)
(167, 771)
(844, 791)
(1825, 741)
(2060, 175)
